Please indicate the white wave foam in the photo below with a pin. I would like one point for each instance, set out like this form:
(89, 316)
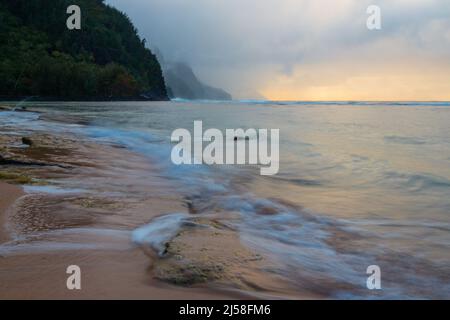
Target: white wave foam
(161, 230)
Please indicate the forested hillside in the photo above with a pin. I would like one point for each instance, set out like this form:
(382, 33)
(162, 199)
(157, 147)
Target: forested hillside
(106, 59)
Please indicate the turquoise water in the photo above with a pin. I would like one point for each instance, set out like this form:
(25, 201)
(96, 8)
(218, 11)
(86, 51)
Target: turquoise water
(359, 184)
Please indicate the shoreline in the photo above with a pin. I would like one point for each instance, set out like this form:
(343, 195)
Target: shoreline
(91, 224)
(36, 269)
(101, 190)
(112, 266)
(81, 99)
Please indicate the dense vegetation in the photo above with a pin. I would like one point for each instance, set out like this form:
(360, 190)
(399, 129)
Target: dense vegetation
(106, 59)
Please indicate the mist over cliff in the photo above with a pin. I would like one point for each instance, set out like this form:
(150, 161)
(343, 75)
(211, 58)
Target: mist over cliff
(182, 83)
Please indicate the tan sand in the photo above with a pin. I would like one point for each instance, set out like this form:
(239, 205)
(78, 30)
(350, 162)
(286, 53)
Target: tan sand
(117, 269)
(104, 275)
(93, 231)
(113, 274)
(8, 195)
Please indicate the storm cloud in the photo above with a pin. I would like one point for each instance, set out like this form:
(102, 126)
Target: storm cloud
(305, 49)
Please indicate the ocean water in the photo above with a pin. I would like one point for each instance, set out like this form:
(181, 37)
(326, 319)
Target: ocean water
(359, 184)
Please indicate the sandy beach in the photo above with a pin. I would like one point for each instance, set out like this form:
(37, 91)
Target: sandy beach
(40, 272)
(106, 274)
(48, 228)
(92, 185)
(10, 194)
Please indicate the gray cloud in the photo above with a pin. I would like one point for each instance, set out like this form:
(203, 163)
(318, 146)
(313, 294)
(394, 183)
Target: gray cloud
(241, 45)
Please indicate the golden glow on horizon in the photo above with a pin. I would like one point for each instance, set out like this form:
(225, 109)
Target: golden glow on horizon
(380, 85)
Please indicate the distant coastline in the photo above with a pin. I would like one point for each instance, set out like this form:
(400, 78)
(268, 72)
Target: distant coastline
(81, 99)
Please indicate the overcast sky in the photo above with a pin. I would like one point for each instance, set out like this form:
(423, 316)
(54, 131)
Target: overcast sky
(305, 49)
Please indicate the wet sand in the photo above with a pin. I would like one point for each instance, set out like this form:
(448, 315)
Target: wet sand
(9, 194)
(113, 274)
(34, 267)
(105, 275)
(93, 230)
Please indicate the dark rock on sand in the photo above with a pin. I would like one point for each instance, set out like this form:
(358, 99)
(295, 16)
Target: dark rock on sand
(14, 162)
(191, 207)
(27, 141)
